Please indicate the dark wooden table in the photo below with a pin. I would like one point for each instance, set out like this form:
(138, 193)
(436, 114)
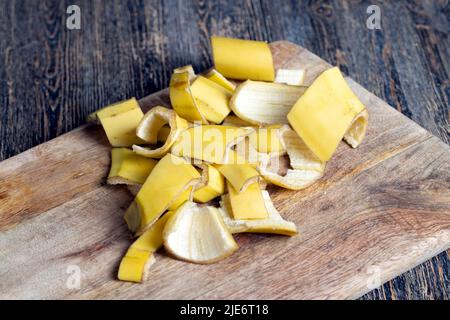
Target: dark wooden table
(52, 77)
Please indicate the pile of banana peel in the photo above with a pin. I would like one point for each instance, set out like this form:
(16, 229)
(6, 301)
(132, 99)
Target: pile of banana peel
(199, 170)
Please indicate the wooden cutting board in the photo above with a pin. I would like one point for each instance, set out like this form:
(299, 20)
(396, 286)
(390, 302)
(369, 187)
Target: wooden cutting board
(379, 210)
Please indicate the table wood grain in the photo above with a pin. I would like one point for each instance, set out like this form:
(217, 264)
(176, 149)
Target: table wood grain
(52, 77)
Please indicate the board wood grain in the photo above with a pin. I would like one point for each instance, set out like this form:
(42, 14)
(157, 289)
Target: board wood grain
(380, 210)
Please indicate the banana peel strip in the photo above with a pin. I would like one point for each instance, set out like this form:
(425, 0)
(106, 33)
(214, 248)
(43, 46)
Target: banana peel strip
(328, 112)
(210, 143)
(243, 59)
(240, 176)
(247, 204)
(274, 223)
(169, 179)
(153, 122)
(305, 169)
(214, 184)
(128, 167)
(139, 257)
(265, 139)
(181, 97)
(119, 120)
(211, 98)
(218, 78)
(355, 134)
(262, 103)
(198, 234)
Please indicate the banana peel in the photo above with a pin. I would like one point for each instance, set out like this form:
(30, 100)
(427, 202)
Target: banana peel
(153, 122)
(248, 204)
(128, 167)
(198, 234)
(163, 134)
(326, 112)
(243, 59)
(262, 103)
(304, 168)
(120, 121)
(218, 78)
(168, 180)
(274, 223)
(265, 139)
(181, 97)
(215, 184)
(211, 98)
(210, 143)
(240, 176)
(292, 77)
(355, 134)
(139, 257)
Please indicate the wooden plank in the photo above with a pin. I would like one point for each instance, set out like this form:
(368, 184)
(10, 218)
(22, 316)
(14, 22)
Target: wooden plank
(384, 206)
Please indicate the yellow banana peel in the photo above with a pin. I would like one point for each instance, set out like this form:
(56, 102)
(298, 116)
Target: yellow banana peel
(215, 185)
(153, 122)
(240, 176)
(248, 204)
(120, 121)
(210, 143)
(218, 78)
(189, 69)
(305, 168)
(264, 139)
(326, 112)
(198, 234)
(211, 98)
(181, 97)
(355, 134)
(168, 180)
(128, 167)
(262, 103)
(139, 257)
(243, 59)
(274, 223)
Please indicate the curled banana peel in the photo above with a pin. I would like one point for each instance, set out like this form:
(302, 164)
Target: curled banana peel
(292, 77)
(210, 143)
(218, 78)
(120, 121)
(189, 69)
(198, 234)
(248, 204)
(355, 134)
(163, 134)
(303, 169)
(128, 167)
(148, 130)
(240, 176)
(326, 112)
(215, 184)
(243, 59)
(265, 139)
(168, 180)
(139, 257)
(274, 223)
(262, 103)
(211, 98)
(181, 97)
